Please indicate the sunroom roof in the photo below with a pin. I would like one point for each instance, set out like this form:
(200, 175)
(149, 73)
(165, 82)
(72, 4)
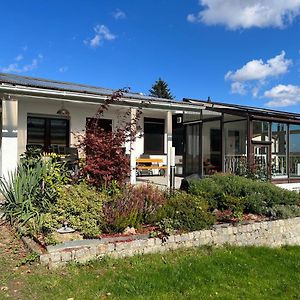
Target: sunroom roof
(243, 109)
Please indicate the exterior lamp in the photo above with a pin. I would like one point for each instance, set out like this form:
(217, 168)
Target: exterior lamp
(63, 111)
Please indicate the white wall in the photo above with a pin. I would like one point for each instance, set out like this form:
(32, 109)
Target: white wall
(78, 114)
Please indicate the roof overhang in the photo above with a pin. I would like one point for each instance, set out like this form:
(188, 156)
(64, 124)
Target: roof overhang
(128, 100)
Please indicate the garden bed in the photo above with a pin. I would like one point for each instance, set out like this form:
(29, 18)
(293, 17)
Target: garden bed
(268, 233)
(41, 198)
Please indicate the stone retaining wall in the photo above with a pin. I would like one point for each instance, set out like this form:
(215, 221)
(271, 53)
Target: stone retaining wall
(269, 233)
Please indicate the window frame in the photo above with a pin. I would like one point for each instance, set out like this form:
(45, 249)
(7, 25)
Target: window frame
(47, 130)
(162, 122)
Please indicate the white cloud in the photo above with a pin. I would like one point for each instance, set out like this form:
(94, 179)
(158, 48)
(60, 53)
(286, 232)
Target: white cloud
(101, 33)
(238, 88)
(16, 67)
(245, 14)
(192, 18)
(259, 71)
(255, 91)
(119, 14)
(95, 42)
(283, 95)
(63, 69)
(19, 57)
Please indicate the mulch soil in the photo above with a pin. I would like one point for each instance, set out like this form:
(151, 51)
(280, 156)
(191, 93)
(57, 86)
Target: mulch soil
(12, 252)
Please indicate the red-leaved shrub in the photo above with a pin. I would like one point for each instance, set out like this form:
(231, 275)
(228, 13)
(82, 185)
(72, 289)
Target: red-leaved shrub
(134, 206)
(105, 157)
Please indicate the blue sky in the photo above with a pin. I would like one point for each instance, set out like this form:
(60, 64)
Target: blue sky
(238, 51)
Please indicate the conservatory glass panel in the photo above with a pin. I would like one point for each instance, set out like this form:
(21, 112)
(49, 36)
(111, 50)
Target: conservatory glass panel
(294, 150)
(212, 147)
(192, 158)
(260, 131)
(236, 147)
(279, 150)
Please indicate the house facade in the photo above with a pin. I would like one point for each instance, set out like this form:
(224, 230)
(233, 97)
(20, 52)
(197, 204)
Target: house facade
(208, 136)
(46, 114)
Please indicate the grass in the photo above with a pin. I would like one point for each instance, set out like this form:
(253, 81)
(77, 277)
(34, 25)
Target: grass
(204, 273)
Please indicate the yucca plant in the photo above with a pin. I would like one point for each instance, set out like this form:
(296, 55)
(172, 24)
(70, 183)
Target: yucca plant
(25, 194)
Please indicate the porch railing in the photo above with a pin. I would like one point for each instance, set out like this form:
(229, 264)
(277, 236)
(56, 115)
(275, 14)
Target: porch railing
(279, 165)
(295, 165)
(236, 164)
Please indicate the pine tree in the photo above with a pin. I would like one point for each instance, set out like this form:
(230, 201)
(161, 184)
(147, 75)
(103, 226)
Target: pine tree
(160, 89)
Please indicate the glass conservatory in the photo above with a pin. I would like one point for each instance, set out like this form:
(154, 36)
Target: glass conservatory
(238, 139)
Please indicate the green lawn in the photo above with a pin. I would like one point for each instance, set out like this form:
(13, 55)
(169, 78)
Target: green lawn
(205, 273)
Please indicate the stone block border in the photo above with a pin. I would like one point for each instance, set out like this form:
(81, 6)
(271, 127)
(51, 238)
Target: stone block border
(269, 233)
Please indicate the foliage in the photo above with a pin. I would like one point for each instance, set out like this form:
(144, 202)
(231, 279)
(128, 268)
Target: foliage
(31, 157)
(188, 212)
(283, 211)
(160, 89)
(29, 259)
(56, 173)
(112, 190)
(134, 206)
(25, 194)
(167, 226)
(79, 205)
(30, 190)
(232, 203)
(151, 199)
(106, 158)
(239, 194)
(253, 171)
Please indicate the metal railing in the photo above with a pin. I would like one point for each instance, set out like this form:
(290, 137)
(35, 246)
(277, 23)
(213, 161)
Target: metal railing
(279, 165)
(235, 164)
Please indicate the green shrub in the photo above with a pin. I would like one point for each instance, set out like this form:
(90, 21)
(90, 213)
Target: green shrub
(283, 211)
(167, 225)
(26, 194)
(132, 206)
(31, 189)
(233, 203)
(187, 212)
(249, 195)
(81, 206)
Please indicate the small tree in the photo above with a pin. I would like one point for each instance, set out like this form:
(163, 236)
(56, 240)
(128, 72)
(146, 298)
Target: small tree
(106, 158)
(160, 89)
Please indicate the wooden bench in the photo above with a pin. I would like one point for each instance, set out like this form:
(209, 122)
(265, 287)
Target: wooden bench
(150, 164)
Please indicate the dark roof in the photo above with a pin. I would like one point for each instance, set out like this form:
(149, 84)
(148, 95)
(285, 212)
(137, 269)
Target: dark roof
(41, 83)
(242, 109)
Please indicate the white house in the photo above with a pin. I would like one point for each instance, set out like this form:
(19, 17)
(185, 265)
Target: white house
(31, 114)
(208, 136)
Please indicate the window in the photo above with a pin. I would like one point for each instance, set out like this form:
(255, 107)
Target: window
(177, 134)
(192, 154)
(260, 131)
(211, 147)
(294, 150)
(235, 146)
(44, 132)
(279, 149)
(154, 131)
(105, 124)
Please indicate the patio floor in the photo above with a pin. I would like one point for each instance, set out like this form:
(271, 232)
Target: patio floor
(160, 181)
